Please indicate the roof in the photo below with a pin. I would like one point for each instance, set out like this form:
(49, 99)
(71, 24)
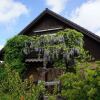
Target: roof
(64, 20)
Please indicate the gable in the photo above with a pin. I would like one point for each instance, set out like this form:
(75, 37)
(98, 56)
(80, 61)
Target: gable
(46, 24)
(50, 20)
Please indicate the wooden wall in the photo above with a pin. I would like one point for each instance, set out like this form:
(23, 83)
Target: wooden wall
(39, 74)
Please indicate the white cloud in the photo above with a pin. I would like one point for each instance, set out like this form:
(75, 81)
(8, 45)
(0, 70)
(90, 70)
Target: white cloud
(10, 10)
(88, 15)
(57, 5)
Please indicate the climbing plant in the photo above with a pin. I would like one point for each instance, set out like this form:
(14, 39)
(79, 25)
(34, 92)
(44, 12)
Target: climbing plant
(14, 55)
(60, 49)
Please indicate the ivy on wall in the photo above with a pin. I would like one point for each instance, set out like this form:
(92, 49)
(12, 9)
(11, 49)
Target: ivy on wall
(14, 55)
(61, 48)
(64, 46)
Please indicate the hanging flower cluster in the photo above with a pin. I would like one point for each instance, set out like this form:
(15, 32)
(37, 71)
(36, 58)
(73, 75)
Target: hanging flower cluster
(64, 45)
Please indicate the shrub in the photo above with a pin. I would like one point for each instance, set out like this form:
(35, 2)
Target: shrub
(13, 88)
(14, 55)
(84, 85)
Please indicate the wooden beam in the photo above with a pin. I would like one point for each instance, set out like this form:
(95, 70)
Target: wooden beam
(46, 30)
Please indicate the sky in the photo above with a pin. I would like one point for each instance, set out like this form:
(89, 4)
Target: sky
(16, 14)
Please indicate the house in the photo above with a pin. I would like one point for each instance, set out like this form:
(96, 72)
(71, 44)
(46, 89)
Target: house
(50, 22)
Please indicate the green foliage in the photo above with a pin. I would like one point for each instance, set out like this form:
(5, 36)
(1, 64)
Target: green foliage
(14, 52)
(62, 49)
(59, 49)
(84, 85)
(72, 37)
(13, 88)
(51, 97)
(2, 72)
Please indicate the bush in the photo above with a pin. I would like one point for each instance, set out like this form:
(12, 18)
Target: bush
(13, 88)
(14, 55)
(84, 85)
